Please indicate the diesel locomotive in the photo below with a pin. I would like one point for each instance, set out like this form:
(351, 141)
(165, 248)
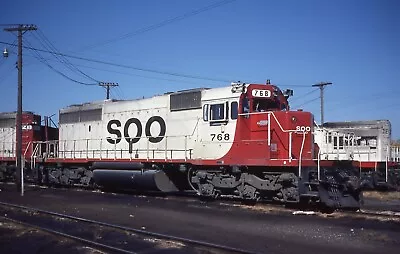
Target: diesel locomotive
(241, 141)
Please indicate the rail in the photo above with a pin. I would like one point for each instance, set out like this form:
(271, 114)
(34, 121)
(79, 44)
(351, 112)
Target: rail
(142, 232)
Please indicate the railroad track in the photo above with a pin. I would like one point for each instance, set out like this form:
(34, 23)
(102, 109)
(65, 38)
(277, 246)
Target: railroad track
(41, 219)
(367, 213)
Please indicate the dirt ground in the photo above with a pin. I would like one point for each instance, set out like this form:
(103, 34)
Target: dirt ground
(385, 196)
(15, 238)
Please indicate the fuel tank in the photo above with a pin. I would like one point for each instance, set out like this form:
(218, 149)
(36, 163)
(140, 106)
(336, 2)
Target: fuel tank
(146, 180)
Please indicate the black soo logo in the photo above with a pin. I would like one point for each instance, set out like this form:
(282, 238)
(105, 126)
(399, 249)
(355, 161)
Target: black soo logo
(114, 125)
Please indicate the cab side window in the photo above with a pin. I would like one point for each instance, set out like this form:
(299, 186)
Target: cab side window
(245, 106)
(205, 112)
(234, 110)
(217, 112)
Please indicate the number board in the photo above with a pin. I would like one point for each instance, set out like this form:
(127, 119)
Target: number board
(261, 93)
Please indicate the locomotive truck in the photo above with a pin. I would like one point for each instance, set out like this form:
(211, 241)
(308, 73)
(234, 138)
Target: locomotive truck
(240, 140)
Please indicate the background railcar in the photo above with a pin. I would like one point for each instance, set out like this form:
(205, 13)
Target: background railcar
(368, 143)
(33, 130)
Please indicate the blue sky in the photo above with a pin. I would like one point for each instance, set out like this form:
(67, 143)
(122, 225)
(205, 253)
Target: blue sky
(353, 44)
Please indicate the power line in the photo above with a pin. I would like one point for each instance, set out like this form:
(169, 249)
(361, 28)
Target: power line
(280, 85)
(115, 94)
(50, 46)
(137, 75)
(307, 102)
(363, 105)
(9, 24)
(129, 74)
(127, 66)
(302, 96)
(7, 75)
(44, 61)
(120, 93)
(9, 51)
(161, 24)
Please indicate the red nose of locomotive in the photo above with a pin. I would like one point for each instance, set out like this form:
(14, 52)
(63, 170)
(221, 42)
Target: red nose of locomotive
(271, 134)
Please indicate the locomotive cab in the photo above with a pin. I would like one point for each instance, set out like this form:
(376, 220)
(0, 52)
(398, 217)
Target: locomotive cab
(264, 100)
(266, 120)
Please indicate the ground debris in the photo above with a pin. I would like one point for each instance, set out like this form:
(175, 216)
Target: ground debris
(165, 244)
(304, 213)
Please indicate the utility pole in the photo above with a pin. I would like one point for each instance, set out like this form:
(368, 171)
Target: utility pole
(321, 86)
(107, 85)
(20, 171)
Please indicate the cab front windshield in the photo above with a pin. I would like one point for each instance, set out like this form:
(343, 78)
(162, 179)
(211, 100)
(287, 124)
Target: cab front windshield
(264, 105)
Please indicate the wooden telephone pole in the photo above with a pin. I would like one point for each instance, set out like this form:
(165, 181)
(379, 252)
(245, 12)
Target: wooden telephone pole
(321, 86)
(20, 171)
(107, 85)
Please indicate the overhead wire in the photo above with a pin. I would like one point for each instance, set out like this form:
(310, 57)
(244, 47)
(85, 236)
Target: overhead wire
(9, 24)
(4, 77)
(47, 44)
(119, 92)
(362, 104)
(304, 95)
(138, 75)
(127, 66)
(13, 45)
(160, 24)
(305, 103)
(44, 61)
(131, 74)
(113, 94)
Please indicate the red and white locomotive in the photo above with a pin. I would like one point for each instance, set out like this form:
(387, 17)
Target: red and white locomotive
(241, 140)
(33, 130)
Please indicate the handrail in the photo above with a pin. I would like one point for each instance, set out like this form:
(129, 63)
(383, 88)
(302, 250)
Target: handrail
(283, 130)
(273, 114)
(386, 164)
(79, 148)
(26, 150)
(33, 163)
(27, 147)
(318, 164)
(290, 138)
(301, 153)
(287, 131)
